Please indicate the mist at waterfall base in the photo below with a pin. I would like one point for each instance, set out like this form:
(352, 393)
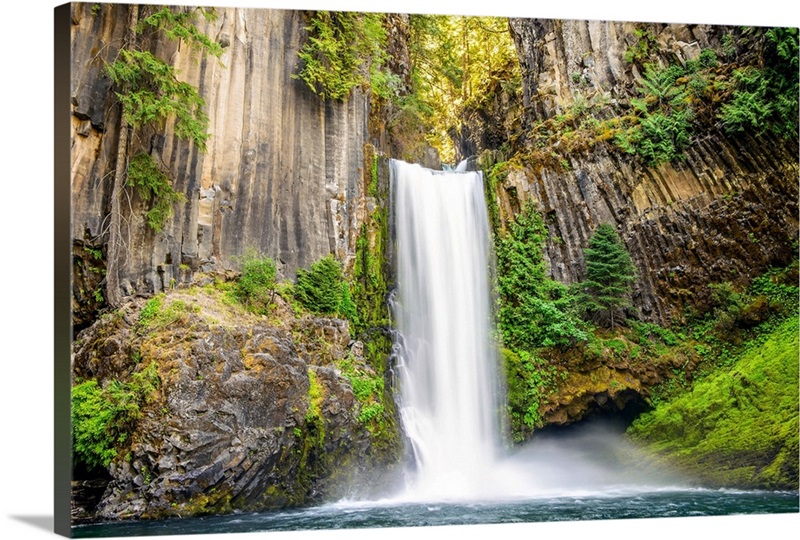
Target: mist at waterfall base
(450, 401)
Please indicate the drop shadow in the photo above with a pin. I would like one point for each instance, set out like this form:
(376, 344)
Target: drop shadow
(40, 522)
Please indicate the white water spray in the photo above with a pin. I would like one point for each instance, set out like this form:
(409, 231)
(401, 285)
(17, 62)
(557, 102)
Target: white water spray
(448, 372)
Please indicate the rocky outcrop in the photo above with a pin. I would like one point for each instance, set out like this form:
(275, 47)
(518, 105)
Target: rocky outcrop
(615, 379)
(249, 414)
(283, 170)
(726, 212)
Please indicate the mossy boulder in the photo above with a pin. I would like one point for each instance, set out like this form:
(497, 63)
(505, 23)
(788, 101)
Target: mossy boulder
(251, 412)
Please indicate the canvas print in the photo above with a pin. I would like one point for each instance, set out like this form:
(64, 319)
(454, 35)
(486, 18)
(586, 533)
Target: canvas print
(351, 270)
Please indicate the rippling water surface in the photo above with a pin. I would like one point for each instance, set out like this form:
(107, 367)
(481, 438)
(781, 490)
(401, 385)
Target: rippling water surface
(621, 503)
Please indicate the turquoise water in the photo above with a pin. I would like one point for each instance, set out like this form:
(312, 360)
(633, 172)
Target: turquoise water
(610, 504)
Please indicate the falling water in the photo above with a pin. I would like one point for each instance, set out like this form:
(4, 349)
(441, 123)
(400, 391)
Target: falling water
(448, 373)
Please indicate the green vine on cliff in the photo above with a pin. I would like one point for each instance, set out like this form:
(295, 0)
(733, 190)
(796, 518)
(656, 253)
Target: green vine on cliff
(152, 184)
(151, 94)
(345, 50)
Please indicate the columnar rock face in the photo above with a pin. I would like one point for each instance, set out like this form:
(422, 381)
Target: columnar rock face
(282, 173)
(725, 213)
(560, 59)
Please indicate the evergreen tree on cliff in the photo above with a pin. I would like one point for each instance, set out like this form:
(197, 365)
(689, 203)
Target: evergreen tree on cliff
(609, 276)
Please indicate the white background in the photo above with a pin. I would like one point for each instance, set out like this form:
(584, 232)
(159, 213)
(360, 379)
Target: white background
(26, 310)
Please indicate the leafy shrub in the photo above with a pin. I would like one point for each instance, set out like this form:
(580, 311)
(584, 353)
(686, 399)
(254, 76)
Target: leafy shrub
(765, 99)
(256, 286)
(642, 48)
(708, 58)
(534, 309)
(646, 333)
(322, 289)
(664, 127)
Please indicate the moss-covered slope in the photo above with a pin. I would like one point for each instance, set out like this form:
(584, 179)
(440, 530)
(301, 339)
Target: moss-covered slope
(738, 426)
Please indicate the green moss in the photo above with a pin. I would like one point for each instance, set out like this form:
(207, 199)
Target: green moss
(315, 397)
(737, 426)
(495, 175)
(530, 380)
(213, 501)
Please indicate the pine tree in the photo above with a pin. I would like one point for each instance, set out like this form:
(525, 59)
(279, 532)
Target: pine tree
(609, 276)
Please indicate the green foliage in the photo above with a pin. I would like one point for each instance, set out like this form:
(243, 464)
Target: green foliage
(738, 426)
(150, 311)
(368, 389)
(642, 48)
(347, 307)
(533, 308)
(657, 138)
(103, 418)
(664, 116)
(459, 64)
(369, 412)
(315, 395)
(178, 25)
(646, 333)
(609, 275)
(765, 99)
(496, 174)
(152, 94)
(322, 289)
(529, 381)
(345, 50)
(729, 46)
(155, 315)
(152, 184)
(708, 58)
(256, 286)
(369, 275)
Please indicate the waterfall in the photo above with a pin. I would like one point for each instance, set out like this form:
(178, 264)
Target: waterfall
(448, 370)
